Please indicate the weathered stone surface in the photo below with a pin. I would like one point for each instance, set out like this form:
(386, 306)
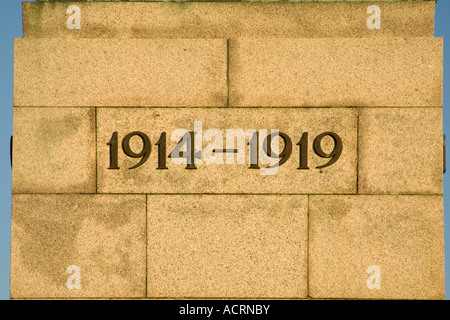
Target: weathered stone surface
(389, 72)
(222, 230)
(401, 235)
(227, 246)
(227, 177)
(113, 72)
(54, 150)
(400, 151)
(227, 19)
(103, 235)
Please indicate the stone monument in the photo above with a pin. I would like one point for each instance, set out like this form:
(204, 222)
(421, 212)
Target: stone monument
(228, 150)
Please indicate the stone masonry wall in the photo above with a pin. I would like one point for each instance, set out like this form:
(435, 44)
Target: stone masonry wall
(350, 206)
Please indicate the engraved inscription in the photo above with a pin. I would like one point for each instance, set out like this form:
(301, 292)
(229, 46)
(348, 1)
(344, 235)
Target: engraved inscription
(188, 151)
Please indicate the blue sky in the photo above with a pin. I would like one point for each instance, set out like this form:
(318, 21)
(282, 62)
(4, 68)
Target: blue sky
(442, 29)
(11, 27)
